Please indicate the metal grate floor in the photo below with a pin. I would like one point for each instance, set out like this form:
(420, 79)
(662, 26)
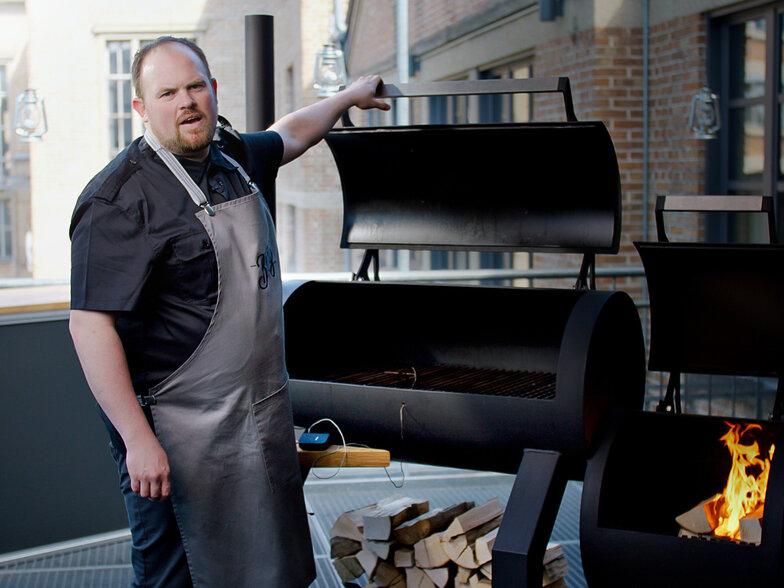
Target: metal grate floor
(104, 562)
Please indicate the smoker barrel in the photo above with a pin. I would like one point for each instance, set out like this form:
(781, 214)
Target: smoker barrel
(648, 469)
(462, 376)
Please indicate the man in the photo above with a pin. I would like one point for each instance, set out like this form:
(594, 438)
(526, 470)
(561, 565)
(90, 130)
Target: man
(176, 318)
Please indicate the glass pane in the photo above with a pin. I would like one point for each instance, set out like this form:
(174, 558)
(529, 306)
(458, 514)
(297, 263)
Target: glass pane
(126, 98)
(747, 150)
(781, 140)
(113, 135)
(113, 97)
(747, 59)
(127, 130)
(113, 47)
(126, 57)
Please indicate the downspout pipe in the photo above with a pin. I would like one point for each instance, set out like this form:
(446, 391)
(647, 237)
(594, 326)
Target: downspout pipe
(260, 80)
(645, 120)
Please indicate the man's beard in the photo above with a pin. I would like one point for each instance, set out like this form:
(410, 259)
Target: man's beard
(190, 142)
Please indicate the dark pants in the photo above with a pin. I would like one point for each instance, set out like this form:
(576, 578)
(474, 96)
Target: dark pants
(157, 554)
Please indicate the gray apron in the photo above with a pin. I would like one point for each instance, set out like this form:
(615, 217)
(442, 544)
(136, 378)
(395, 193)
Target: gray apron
(224, 416)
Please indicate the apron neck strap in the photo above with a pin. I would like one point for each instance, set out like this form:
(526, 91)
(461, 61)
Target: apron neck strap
(179, 172)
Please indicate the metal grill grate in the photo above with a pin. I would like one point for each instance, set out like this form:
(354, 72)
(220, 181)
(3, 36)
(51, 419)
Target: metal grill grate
(446, 378)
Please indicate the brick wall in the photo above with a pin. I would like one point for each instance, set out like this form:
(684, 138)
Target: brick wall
(605, 70)
(677, 72)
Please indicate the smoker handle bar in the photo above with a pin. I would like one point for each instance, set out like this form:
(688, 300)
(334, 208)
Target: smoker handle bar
(674, 203)
(545, 85)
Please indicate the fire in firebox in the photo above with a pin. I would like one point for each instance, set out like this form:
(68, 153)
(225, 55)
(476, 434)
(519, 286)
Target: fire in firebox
(736, 512)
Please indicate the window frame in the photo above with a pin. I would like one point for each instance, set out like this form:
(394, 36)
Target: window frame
(723, 226)
(6, 230)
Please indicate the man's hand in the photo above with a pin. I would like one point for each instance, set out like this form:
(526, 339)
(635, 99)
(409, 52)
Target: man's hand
(364, 92)
(148, 468)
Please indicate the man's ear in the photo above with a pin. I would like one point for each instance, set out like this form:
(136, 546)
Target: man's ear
(214, 83)
(138, 106)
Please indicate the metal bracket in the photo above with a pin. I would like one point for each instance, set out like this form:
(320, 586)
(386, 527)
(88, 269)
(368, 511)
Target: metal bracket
(586, 279)
(671, 403)
(371, 255)
(529, 518)
(778, 404)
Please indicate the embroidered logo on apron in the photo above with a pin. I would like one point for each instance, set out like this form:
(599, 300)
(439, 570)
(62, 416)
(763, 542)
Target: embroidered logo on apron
(266, 264)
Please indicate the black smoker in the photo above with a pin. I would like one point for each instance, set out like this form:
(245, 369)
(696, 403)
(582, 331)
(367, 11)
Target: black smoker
(715, 309)
(490, 378)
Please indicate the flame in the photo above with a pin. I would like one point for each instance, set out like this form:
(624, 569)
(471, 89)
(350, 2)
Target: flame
(745, 492)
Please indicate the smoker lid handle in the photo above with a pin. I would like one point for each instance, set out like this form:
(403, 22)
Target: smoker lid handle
(552, 84)
(736, 203)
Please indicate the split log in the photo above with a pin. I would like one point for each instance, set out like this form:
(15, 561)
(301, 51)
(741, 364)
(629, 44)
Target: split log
(554, 571)
(428, 523)
(382, 549)
(368, 560)
(416, 578)
(460, 548)
(439, 576)
(696, 519)
(429, 552)
(484, 547)
(349, 524)
(487, 570)
(555, 565)
(386, 574)
(348, 568)
(552, 552)
(379, 523)
(751, 526)
(404, 557)
(341, 546)
(473, 518)
(479, 581)
(463, 574)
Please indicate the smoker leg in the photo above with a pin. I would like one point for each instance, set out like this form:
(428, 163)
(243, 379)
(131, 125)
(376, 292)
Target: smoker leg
(528, 520)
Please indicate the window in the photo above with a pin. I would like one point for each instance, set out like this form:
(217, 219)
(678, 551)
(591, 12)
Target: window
(6, 231)
(119, 107)
(3, 116)
(124, 125)
(746, 71)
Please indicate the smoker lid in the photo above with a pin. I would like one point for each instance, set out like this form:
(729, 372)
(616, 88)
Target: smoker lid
(493, 187)
(715, 308)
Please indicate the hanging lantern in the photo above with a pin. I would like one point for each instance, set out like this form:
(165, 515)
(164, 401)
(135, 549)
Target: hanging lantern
(704, 115)
(330, 72)
(30, 116)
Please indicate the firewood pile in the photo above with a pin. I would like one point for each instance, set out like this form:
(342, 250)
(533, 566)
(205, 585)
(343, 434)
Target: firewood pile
(399, 542)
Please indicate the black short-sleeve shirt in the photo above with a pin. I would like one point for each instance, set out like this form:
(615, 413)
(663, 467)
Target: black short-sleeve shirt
(138, 250)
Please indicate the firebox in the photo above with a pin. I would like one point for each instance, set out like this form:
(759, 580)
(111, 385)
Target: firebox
(648, 469)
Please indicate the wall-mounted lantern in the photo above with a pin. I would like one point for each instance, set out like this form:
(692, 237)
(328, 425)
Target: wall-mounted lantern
(30, 116)
(329, 74)
(704, 115)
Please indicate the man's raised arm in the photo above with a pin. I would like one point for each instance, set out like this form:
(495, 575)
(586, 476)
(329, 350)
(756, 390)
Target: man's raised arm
(303, 128)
